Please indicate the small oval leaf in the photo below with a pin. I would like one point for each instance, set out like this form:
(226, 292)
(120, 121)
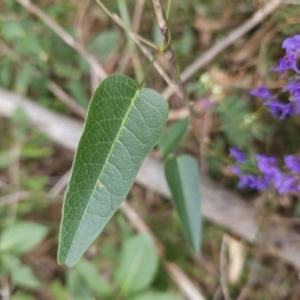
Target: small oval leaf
(138, 264)
(122, 126)
(183, 178)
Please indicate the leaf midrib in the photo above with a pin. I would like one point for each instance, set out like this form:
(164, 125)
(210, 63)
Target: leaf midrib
(132, 272)
(105, 165)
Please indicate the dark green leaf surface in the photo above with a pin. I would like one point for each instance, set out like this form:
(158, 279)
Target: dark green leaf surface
(169, 141)
(183, 178)
(122, 126)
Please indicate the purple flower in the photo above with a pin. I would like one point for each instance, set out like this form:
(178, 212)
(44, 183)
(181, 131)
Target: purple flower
(292, 48)
(236, 170)
(246, 180)
(265, 163)
(293, 163)
(286, 110)
(297, 106)
(281, 110)
(294, 88)
(254, 182)
(263, 183)
(262, 92)
(277, 177)
(238, 155)
(292, 45)
(283, 65)
(287, 184)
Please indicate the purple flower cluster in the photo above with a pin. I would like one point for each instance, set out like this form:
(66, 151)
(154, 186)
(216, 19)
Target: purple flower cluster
(285, 179)
(292, 49)
(270, 174)
(290, 61)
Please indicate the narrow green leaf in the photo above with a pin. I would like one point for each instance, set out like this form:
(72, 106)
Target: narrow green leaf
(169, 141)
(138, 264)
(183, 178)
(122, 126)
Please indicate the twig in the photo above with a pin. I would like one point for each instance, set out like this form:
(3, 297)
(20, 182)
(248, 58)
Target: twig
(159, 68)
(253, 277)
(137, 15)
(137, 39)
(221, 45)
(122, 25)
(183, 281)
(166, 45)
(148, 54)
(136, 20)
(66, 37)
(223, 270)
(65, 98)
(81, 10)
(14, 172)
(5, 289)
(15, 197)
(204, 139)
(178, 114)
(60, 184)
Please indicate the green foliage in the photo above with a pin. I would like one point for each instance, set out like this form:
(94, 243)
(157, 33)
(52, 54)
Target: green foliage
(239, 124)
(169, 140)
(122, 126)
(183, 178)
(104, 44)
(157, 296)
(21, 275)
(15, 241)
(138, 264)
(185, 44)
(85, 281)
(22, 237)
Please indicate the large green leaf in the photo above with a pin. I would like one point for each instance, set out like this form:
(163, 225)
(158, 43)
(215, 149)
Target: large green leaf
(138, 264)
(183, 178)
(122, 126)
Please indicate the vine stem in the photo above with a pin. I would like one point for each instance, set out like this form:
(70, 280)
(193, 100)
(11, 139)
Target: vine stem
(121, 24)
(166, 47)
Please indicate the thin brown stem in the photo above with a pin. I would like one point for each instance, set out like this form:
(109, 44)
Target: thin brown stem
(66, 98)
(223, 270)
(136, 21)
(78, 26)
(166, 47)
(157, 66)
